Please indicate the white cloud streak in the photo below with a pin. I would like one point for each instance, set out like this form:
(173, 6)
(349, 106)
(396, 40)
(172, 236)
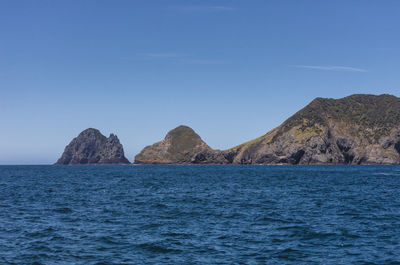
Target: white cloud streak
(331, 68)
(204, 8)
(163, 55)
(202, 61)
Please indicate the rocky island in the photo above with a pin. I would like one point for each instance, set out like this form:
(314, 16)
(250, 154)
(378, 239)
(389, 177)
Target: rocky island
(358, 129)
(181, 145)
(91, 147)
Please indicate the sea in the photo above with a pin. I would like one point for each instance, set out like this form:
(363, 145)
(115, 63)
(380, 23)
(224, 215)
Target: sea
(200, 214)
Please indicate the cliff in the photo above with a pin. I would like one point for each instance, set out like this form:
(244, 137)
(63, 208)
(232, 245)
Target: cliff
(91, 147)
(358, 129)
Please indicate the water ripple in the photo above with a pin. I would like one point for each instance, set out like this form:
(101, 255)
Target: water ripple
(200, 215)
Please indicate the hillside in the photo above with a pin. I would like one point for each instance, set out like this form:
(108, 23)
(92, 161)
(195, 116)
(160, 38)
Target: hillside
(181, 145)
(357, 129)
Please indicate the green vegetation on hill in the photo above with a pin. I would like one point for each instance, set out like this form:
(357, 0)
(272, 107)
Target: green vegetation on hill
(358, 129)
(367, 111)
(183, 139)
(178, 146)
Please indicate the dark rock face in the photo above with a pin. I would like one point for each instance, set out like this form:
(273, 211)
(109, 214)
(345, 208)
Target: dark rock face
(180, 146)
(91, 147)
(210, 157)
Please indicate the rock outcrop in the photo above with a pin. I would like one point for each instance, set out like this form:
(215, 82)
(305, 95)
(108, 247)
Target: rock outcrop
(180, 146)
(91, 147)
(359, 129)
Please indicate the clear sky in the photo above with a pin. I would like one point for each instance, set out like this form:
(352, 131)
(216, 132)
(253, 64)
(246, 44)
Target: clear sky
(232, 70)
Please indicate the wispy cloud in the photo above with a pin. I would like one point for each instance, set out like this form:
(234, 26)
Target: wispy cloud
(331, 68)
(163, 55)
(204, 8)
(201, 61)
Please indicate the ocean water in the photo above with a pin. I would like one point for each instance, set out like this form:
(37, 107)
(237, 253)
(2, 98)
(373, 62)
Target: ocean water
(200, 215)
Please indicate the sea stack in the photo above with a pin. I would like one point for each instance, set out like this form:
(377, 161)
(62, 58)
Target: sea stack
(91, 147)
(181, 145)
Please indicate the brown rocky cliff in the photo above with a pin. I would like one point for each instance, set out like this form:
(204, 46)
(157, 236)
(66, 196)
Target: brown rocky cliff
(359, 129)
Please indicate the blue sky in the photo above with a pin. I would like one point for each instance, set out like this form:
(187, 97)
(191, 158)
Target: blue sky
(232, 70)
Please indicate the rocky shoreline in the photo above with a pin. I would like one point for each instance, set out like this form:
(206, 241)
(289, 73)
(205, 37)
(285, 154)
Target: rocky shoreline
(358, 129)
